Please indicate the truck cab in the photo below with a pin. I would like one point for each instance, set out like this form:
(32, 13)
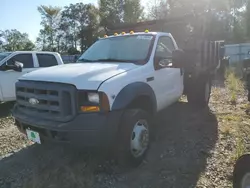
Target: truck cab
(109, 97)
(30, 61)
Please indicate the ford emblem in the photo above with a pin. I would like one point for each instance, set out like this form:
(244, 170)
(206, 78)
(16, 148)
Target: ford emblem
(33, 101)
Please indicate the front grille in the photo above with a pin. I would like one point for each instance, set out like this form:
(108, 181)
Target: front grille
(54, 101)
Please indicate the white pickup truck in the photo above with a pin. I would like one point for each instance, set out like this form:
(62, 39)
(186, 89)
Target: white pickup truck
(109, 96)
(30, 60)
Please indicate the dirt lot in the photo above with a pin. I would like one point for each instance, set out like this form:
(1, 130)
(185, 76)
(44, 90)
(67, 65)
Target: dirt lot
(193, 148)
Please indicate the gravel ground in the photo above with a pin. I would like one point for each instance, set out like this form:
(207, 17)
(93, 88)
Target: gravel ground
(193, 148)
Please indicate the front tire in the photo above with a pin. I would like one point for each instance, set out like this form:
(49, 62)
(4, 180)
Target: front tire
(241, 173)
(134, 137)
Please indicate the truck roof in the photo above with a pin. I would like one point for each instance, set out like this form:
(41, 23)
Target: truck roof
(41, 52)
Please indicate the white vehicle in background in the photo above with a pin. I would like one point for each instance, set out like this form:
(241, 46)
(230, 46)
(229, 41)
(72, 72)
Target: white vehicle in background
(29, 61)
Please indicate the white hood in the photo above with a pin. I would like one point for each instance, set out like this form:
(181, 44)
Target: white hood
(82, 75)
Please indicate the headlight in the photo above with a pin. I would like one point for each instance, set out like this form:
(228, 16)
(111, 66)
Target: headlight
(94, 98)
(92, 101)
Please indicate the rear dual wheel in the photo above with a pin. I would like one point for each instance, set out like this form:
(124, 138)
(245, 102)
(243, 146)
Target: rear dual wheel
(199, 94)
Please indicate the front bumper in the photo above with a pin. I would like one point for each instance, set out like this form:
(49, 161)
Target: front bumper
(91, 129)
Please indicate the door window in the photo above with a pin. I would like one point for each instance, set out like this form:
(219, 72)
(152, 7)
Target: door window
(26, 59)
(164, 49)
(46, 60)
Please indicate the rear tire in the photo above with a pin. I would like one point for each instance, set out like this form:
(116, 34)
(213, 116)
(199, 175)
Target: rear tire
(134, 137)
(199, 95)
(241, 173)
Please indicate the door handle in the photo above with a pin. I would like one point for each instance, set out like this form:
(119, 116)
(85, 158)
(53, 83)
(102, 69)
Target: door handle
(150, 79)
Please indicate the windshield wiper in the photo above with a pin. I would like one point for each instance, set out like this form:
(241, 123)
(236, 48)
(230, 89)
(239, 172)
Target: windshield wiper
(112, 60)
(85, 60)
(105, 60)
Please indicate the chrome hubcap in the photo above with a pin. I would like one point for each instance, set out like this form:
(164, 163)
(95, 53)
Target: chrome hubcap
(245, 183)
(139, 138)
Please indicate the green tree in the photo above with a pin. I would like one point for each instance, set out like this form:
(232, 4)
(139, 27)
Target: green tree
(89, 25)
(69, 24)
(133, 11)
(211, 18)
(119, 11)
(79, 24)
(1, 41)
(111, 12)
(43, 40)
(50, 22)
(158, 9)
(16, 41)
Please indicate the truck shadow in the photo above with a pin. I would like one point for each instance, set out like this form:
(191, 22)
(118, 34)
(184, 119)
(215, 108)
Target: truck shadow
(5, 109)
(24, 165)
(184, 139)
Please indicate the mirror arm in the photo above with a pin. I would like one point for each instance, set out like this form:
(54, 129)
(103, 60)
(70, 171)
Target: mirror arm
(5, 68)
(8, 67)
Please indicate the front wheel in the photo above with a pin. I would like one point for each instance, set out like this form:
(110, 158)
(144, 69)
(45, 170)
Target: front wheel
(241, 173)
(134, 137)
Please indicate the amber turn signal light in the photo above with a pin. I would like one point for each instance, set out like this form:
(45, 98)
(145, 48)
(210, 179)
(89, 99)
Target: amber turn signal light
(90, 108)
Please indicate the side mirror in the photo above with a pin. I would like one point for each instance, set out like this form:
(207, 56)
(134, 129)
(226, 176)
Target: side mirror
(167, 62)
(178, 57)
(17, 66)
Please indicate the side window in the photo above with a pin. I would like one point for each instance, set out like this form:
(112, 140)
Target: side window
(165, 47)
(46, 60)
(26, 59)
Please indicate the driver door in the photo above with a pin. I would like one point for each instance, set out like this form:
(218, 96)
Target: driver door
(9, 78)
(168, 82)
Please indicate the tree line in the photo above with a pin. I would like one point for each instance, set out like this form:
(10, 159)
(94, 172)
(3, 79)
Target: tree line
(73, 28)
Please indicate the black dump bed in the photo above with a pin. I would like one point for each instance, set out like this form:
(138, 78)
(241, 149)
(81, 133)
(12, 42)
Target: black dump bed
(202, 54)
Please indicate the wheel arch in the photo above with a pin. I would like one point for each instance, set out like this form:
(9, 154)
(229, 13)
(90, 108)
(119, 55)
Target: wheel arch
(138, 94)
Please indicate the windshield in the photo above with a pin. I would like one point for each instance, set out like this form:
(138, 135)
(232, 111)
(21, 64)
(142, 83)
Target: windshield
(4, 55)
(131, 48)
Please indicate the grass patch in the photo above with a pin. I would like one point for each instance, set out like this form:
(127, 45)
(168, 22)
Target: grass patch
(237, 68)
(234, 85)
(230, 124)
(240, 149)
(229, 117)
(233, 98)
(233, 122)
(245, 106)
(232, 81)
(226, 131)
